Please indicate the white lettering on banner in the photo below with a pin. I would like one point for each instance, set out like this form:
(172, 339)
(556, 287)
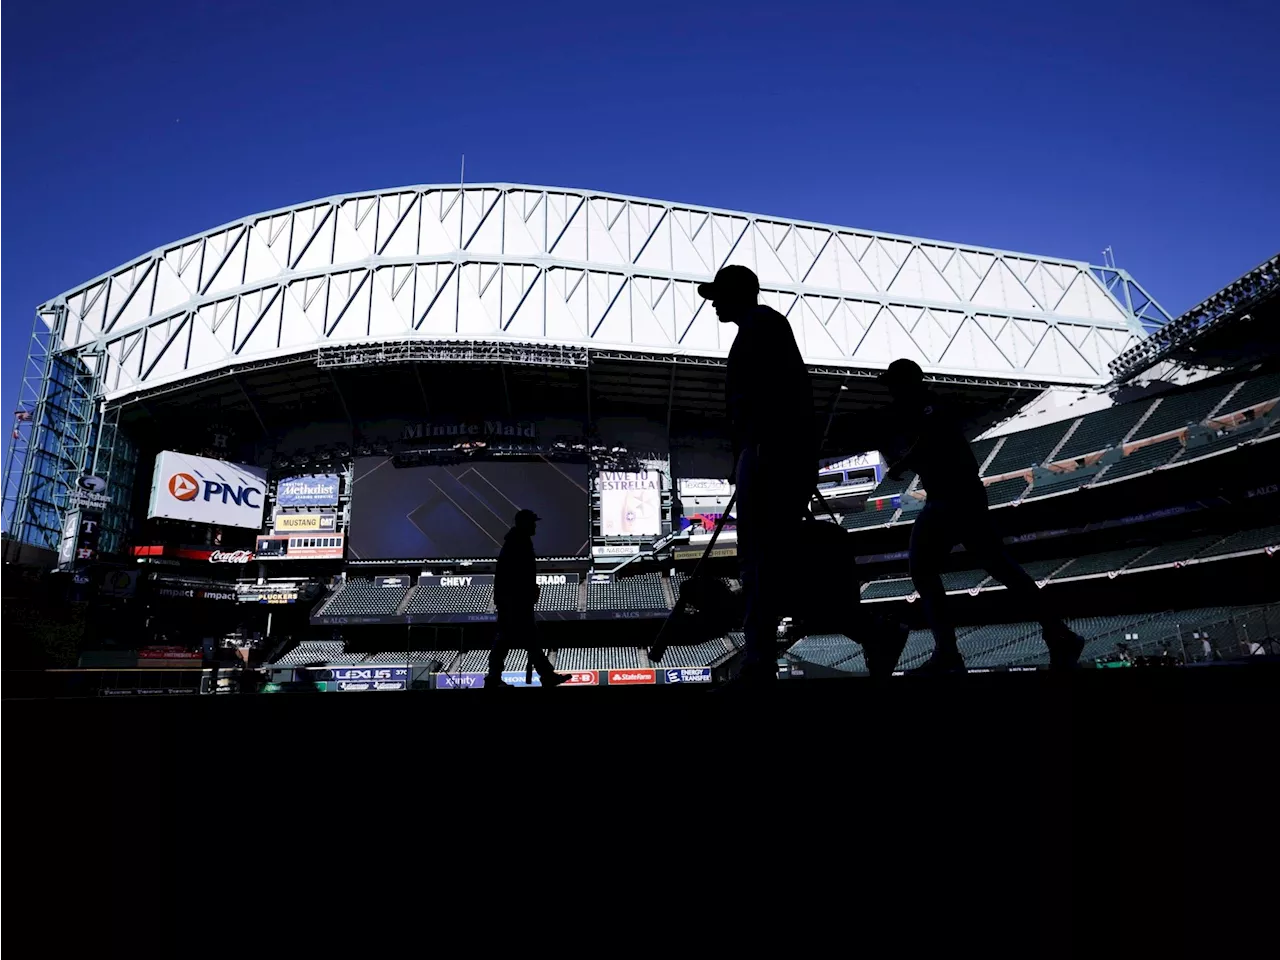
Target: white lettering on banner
(551, 579)
(234, 556)
(625, 480)
(455, 581)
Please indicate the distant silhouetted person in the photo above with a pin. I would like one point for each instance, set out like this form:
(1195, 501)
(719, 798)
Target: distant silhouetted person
(955, 511)
(775, 453)
(515, 591)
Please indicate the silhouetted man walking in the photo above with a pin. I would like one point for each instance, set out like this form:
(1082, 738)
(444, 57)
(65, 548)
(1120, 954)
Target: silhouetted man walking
(775, 451)
(515, 592)
(955, 511)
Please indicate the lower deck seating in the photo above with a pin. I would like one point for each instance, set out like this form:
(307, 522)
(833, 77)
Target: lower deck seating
(641, 592)
(362, 598)
(558, 596)
(434, 599)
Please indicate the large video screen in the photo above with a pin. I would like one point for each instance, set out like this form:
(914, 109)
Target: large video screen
(630, 503)
(465, 510)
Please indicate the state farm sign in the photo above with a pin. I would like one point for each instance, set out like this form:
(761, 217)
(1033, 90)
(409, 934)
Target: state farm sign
(625, 677)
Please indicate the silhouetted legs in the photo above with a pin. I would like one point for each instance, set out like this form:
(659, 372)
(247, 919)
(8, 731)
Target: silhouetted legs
(518, 631)
(940, 527)
(771, 498)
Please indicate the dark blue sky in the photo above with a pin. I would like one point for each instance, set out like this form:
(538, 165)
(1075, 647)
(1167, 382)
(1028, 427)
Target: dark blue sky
(1053, 129)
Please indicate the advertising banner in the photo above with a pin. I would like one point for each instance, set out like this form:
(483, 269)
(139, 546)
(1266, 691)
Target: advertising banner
(370, 679)
(70, 527)
(120, 583)
(583, 678)
(177, 590)
(319, 491)
(630, 503)
(704, 487)
(392, 583)
(87, 542)
(90, 493)
(688, 675)
(628, 677)
(204, 490)
(469, 430)
(304, 522)
(705, 522)
(460, 681)
(517, 679)
(456, 581)
(616, 550)
(301, 547)
(556, 579)
(267, 592)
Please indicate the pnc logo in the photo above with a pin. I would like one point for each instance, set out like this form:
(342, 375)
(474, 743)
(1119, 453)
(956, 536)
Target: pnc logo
(183, 486)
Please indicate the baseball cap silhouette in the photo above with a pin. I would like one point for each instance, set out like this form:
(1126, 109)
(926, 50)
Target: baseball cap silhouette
(903, 371)
(733, 280)
(526, 516)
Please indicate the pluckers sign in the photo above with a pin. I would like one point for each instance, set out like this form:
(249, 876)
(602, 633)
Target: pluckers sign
(469, 430)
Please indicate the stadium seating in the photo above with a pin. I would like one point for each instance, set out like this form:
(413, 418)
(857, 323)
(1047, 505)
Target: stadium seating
(1221, 444)
(889, 487)
(888, 589)
(1254, 392)
(982, 449)
(362, 598)
(570, 659)
(697, 655)
(640, 592)
(558, 596)
(312, 651)
(1097, 563)
(1144, 458)
(1027, 448)
(1243, 541)
(441, 659)
(1059, 483)
(1042, 569)
(825, 649)
(869, 517)
(434, 599)
(964, 579)
(1005, 491)
(1175, 552)
(1177, 410)
(1101, 430)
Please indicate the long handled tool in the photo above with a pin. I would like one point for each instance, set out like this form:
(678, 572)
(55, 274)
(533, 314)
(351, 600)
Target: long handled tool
(659, 648)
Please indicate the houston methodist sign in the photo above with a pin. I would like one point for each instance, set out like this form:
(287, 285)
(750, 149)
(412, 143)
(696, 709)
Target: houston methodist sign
(203, 490)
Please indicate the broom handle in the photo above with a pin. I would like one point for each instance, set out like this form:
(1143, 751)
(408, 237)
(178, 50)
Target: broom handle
(659, 648)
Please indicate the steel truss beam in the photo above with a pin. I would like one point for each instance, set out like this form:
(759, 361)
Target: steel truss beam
(504, 262)
(1228, 304)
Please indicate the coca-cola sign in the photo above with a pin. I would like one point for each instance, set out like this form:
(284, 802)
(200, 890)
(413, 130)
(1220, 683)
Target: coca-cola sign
(233, 556)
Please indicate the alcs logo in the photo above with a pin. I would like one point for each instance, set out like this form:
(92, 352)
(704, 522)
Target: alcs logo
(185, 487)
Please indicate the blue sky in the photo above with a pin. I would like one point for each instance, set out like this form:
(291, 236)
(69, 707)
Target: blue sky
(1054, 129)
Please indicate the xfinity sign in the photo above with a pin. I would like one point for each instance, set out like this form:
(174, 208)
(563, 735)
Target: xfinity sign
(204, 490)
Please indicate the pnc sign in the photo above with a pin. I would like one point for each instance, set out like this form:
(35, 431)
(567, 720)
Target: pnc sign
(185, 487)
(204, 490)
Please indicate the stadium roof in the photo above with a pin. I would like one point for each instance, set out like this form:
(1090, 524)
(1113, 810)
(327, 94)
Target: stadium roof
(1235, 326)
(557, 276)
